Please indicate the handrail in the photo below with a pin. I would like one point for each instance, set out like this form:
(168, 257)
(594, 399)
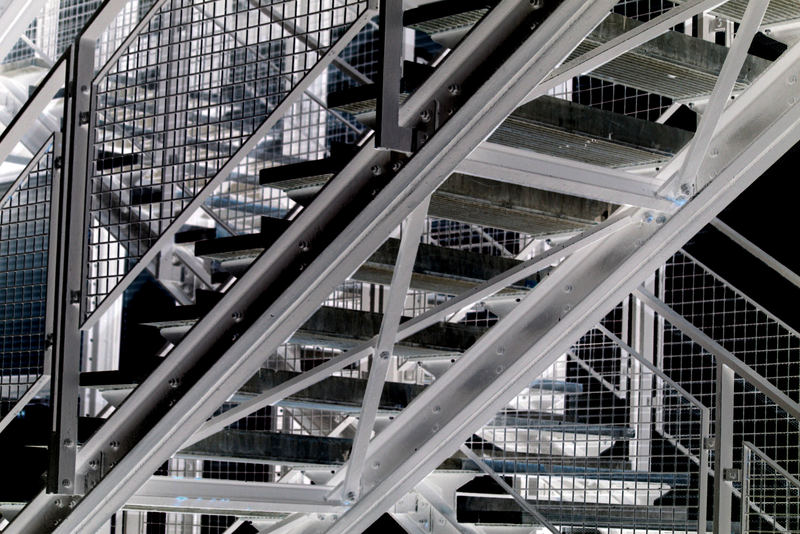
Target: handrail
(718, 351)
(772, 463)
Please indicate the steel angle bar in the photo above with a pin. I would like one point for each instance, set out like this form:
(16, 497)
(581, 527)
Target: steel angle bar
(414, 443)
(621, 44)
(756, 251)
(685, 183)
(719, 352)
(439, 313)
(384, 347)
(169, 424)
(549, 173)
(524, 504)
(246, 147)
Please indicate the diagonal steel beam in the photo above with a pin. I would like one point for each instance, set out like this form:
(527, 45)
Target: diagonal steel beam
(568, 303)
(624, 43)
(685, 181)
(382, 355)
(439, 313)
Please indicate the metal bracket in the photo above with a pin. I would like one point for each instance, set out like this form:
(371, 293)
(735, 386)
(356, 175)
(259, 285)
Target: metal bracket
(732, 474)
(709, 443)
(389, 134)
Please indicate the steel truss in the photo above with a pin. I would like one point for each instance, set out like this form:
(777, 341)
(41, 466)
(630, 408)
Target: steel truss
(174, 407)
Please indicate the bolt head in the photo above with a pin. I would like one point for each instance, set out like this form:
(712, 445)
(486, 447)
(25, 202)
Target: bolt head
(385, 355)
(376, 170)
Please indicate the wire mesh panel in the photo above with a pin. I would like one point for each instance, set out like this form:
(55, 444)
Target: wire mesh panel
(179, 102)
(770, 495)
(24, 242)
(600, 440)
(736, 322)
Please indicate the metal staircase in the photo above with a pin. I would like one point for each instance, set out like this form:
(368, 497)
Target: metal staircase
(253, 319)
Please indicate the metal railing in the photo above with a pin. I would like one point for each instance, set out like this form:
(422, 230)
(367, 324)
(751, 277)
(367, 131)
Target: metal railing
(770, 494)
(25, 296)
(603, 439)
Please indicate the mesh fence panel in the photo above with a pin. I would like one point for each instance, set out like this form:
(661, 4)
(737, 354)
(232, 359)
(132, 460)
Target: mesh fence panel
(24, 241)
(181, 99)
(771, 496)
(598, 441)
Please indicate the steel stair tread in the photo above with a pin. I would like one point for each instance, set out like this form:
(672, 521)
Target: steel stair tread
(334, 393)
(673, 64)
(343, 329)
(440, 269)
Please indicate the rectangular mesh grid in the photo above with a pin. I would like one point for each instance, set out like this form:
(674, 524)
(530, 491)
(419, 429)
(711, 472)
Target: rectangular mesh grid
(182, 99)
(599, 441)
(24, 243)
(771, 496)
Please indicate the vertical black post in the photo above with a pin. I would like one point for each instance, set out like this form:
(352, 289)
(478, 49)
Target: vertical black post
(389, 134)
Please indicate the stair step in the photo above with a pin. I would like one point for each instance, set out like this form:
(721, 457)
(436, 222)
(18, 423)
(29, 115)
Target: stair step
(570, 471)
(447, 21)
(487, 510)
(564, 129)
(242, 246)
(335, 393)
(440, 269)
(271, 447)
(343, 329)
(310, 171)
(191, 234)
(778, 11)
(568, 427)
(363, 99)
(673, 64)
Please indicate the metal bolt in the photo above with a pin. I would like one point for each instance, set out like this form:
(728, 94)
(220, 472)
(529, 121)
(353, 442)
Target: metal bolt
(396, 166)
(661, 219)
(537, 4)
(303, 245)
(114, 444)
(714, 152)
(792, 79)
(68, 443)
(94, 464)
(686, 189)
(568, 288)
(425, 116)
(66, 483)
(648, 217)
(237, 316)
(501, 350)
(435, 427)
(376, 170)
(454, 89)
(376, 465)
(567, 308)
(73, 503)
(59, 503)
(498, 369)
(174, 382)
(351, 496)
(385, 355)
(437, 409)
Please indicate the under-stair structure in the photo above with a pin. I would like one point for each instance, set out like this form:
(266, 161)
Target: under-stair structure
(433, 267)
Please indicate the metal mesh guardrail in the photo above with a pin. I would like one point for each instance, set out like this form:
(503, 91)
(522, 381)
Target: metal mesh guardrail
(601, 439)
(179, 101)
(24, 245)
(770, 495)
